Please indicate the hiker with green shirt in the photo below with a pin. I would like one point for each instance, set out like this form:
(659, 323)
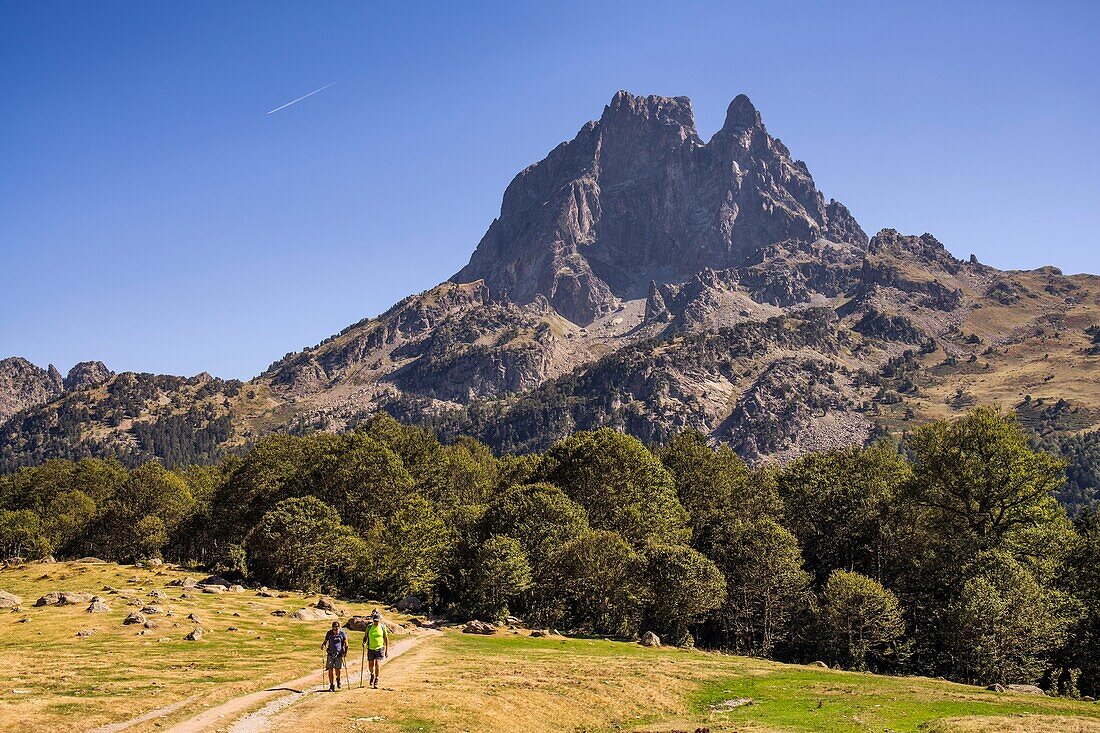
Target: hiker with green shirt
(377, 641)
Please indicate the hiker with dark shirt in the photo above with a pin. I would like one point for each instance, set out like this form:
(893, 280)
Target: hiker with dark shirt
(336, 644)
(377, 641)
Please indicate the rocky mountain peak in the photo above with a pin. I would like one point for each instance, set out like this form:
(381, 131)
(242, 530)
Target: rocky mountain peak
(675, 111)
(741, 115)
(637, 196)
(87, 375)
(23, 385)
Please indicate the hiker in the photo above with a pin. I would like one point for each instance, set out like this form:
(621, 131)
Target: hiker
(336, 644)
(377, 641)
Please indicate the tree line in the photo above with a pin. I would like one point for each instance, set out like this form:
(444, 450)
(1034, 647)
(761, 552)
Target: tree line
(946, 555)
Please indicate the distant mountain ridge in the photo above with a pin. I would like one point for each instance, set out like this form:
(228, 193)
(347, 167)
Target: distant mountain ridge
(641, 278)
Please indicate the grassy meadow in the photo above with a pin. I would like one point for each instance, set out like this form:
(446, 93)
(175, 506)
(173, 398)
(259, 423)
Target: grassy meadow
(513, 682)
(51, 679)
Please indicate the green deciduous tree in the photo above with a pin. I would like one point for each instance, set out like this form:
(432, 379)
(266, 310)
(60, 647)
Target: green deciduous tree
(499, 573)
(1082, 577)
(1005, 626)
(767, 589)
(21, 535)
(684, 586)
(137, 520)
(302, 544)
(980, 478)
(596, 583)
(714, 483)
(861, 622)
(621, 485)
(540, 516)
(843, 507)
(412, 549)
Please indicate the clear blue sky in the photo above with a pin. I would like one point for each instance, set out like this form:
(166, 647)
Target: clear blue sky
(153, 216)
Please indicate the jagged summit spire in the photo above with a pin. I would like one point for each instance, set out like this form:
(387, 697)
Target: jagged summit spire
(638, 193)
(675, 110)
(741, 115)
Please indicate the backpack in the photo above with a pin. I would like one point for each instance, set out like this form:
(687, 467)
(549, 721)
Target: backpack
(337, 641)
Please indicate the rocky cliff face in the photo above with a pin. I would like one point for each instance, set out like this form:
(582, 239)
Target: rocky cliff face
(23, 385)
(638, 196)
(641, 278)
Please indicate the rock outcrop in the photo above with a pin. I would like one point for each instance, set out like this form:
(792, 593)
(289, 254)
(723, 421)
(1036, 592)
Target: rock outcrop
(24, 385)
(87, 375)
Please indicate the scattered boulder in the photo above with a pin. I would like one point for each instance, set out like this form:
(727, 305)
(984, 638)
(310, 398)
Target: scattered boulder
(134, 618)
(409, 604)
(265, 593)
(279, 612)
(215, 580)
(90, 559)
(152, 610)
(995, 687)
(394, 627)
(150, 624)
(187, 582)
(1025, 689)
(85, 633)
(97, 606)
(110, 589)
(539, 633)
(513, 621)
(9, 600)
(193, 635)
(650, 639)
(479, 627)
(68, 598)
(155, 593)
(194, 617)
(821, 664)
(327, 604)
(213, 589)
(232, 628)
(50, 599)
(236, 589)
(357, 623)
(312, 614)
(185, 596)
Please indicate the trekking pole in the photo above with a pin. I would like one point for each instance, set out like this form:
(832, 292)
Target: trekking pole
(347, 674)
(362, 663)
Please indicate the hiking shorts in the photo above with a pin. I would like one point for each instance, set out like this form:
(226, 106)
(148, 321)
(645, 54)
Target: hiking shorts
(334, 661)
(373, 654)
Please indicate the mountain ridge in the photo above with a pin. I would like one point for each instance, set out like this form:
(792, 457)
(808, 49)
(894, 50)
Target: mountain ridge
(621, 269)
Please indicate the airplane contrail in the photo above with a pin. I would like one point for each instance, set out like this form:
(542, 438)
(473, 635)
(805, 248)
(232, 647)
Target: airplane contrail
(299, 99)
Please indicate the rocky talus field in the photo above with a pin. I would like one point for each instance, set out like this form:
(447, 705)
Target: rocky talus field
(641, 278)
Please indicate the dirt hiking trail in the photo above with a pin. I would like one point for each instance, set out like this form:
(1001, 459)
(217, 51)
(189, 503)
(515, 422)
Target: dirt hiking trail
(233, 715)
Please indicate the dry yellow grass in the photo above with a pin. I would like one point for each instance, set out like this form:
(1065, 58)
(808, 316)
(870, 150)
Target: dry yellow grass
(509, 683)
(50, 678)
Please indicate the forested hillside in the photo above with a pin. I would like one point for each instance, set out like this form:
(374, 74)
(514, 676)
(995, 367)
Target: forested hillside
(945, 555)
